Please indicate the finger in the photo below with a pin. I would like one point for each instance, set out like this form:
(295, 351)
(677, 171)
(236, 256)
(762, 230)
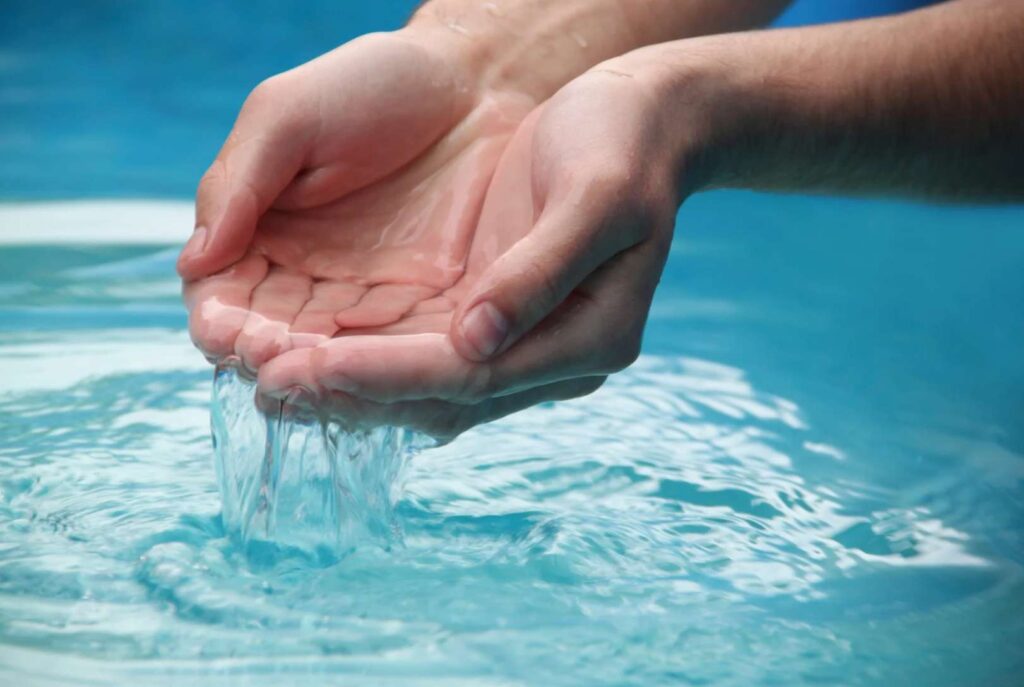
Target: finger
(427, 323)
(373, 126)
(319, 186)
(536, 274)
(219, 305)
(597, 330)
(315, 322)
(443, 420)
(383, 304)
(265, 150)
(275, 303)
(378, 367)
(594, 332)
(288, 372)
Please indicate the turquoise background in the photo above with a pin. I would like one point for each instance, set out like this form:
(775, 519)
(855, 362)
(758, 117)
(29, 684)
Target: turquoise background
(126, 99)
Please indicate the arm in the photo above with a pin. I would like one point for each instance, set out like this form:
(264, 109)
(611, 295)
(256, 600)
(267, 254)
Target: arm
(928, 103)
(345, 198)
(539, 45)
(324, 130)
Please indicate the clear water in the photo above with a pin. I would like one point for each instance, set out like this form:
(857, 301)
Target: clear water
(293, 485)
(814, 475)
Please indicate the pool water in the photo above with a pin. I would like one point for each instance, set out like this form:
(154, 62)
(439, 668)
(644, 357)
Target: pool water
(813, 475)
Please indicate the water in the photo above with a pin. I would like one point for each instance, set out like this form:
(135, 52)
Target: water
(291, 484)
(814, 475)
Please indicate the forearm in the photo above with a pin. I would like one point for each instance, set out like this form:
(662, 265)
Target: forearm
(929, 103)
(539, 45)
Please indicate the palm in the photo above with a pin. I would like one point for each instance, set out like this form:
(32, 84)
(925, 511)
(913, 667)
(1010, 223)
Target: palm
(387, 257)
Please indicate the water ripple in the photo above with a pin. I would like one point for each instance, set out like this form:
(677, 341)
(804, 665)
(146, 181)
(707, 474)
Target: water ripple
(649, 533)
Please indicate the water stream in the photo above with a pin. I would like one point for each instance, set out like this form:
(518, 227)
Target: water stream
(292, 483)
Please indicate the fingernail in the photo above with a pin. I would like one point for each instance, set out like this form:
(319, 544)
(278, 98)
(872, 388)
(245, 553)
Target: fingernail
(485, 329)
(195, 245)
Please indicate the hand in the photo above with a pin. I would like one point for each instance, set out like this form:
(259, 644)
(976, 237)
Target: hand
(571, 241)
(346, 194)
(344, 198)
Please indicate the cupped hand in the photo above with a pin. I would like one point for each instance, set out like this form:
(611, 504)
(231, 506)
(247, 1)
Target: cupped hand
(558, 278)
(344, 199)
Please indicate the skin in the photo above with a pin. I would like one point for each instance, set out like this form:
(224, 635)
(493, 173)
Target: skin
(577, 218)
(351, 210)
(412, 371)
(927, 104)
(363, 219)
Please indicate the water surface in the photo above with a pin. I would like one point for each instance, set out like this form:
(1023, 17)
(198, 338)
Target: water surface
(814, 475)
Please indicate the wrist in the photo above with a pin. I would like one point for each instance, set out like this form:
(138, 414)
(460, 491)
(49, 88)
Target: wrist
(700, 98)
(532, 55)
(535, 47)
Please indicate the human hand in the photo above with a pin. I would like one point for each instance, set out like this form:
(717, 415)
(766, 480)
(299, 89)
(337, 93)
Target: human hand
(318, 234)
(341, 201)
(569, 247)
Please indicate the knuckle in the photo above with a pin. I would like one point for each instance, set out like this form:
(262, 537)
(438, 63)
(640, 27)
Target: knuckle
(281, 109)
(266, 93)
(212, 341)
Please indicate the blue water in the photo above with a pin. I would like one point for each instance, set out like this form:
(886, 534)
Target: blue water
(814, 474)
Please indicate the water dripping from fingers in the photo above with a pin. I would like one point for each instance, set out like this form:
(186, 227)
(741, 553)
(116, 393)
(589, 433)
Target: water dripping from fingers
(293, 483)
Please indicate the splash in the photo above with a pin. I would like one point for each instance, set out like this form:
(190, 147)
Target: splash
(294, 484)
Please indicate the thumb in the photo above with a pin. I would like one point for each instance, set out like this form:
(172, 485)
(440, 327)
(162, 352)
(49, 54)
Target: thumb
(534, 276)
(265, 150)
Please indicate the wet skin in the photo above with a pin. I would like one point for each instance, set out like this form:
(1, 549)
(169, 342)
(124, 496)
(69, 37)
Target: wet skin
(369, 235)
(349, 306)
(443, 252)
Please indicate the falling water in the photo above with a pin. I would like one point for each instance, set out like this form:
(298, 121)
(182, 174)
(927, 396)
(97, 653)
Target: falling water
(293, 483)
